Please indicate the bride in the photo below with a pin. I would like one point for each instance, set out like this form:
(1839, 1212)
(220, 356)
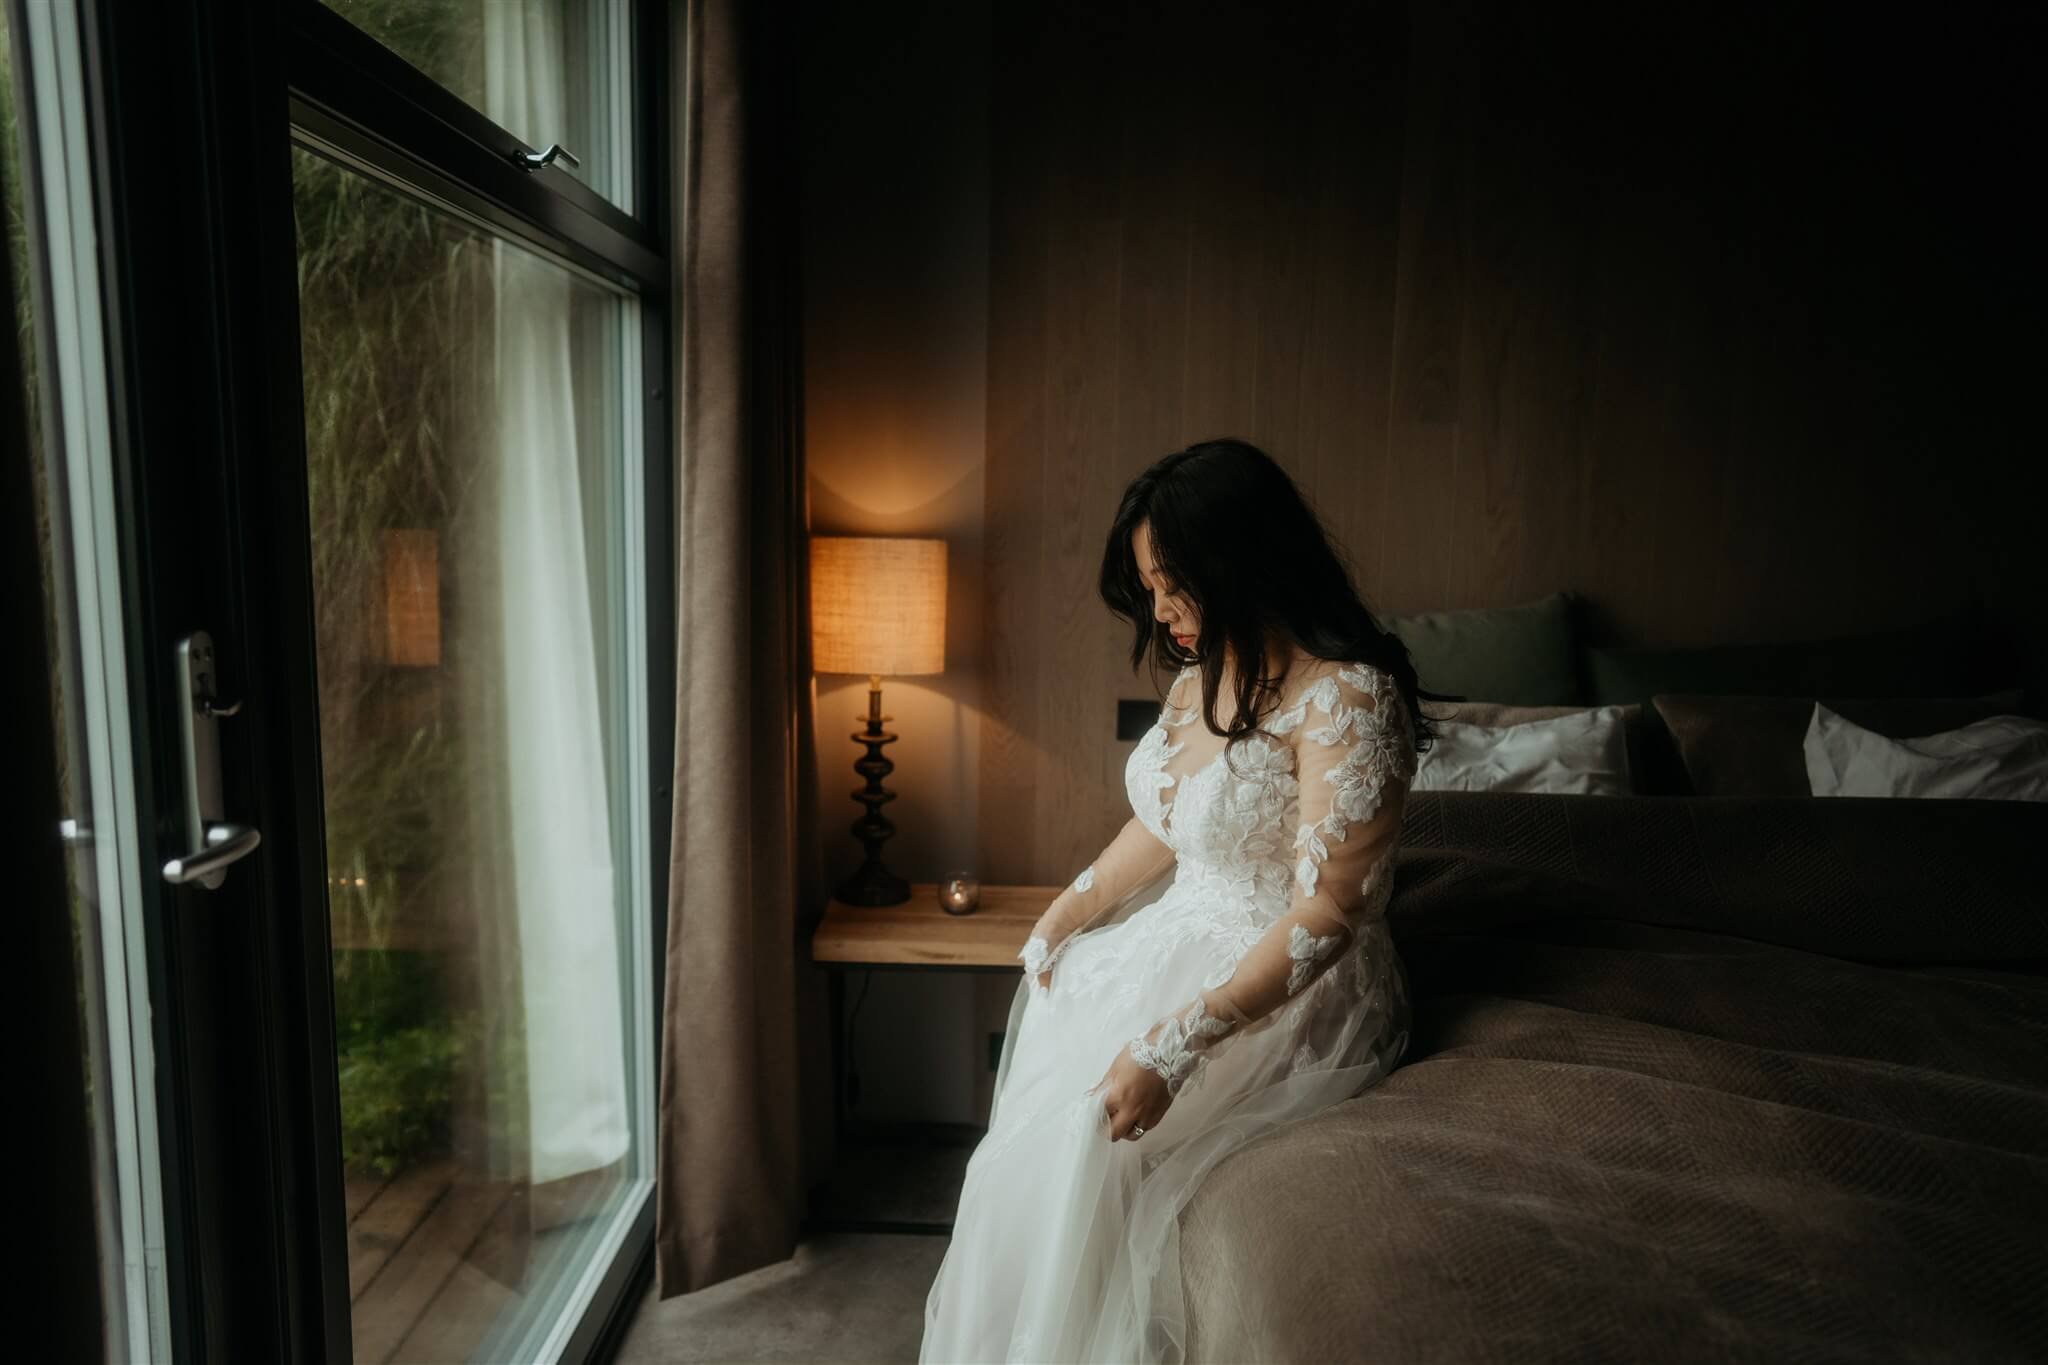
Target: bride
(1261, 986)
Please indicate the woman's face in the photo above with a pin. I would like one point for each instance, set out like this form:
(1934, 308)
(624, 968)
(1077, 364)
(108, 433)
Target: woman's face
(1169, 603)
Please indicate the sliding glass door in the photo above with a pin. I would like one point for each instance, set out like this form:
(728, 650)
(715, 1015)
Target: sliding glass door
(349, 339)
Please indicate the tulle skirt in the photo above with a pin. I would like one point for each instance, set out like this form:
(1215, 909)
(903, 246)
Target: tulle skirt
(1066, 1245)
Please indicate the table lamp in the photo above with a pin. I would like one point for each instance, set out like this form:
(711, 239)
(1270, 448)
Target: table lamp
(878, 605)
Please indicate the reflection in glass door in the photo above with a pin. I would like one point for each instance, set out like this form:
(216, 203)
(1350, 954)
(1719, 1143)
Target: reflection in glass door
(473, 448)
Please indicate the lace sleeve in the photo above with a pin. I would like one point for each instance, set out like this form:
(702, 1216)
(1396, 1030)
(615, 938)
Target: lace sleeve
(1355, 760)
(1132, 861)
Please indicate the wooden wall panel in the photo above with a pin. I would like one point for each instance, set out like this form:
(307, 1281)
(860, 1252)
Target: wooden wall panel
(1083, 262)
(1414, 526)
(1015, 483)
(1526, 298)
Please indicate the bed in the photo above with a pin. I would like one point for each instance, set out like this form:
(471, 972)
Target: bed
(1697, 1078)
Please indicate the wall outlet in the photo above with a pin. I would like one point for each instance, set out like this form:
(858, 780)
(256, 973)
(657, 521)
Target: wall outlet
(995, 1050)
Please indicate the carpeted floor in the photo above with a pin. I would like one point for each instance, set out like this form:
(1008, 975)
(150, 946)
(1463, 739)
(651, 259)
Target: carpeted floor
(853, 1296)
(844, 1296)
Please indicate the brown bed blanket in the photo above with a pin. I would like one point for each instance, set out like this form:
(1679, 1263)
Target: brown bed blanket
(1691, 1079)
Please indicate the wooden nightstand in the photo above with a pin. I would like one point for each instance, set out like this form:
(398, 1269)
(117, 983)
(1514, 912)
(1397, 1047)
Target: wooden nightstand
(918, 933)
(916, 936)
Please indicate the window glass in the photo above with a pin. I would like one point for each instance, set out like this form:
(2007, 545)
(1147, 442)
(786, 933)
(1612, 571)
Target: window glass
(472, 440)
(547, 71)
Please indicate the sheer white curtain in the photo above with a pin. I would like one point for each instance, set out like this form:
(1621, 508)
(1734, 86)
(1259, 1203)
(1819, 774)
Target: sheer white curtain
(559, 817)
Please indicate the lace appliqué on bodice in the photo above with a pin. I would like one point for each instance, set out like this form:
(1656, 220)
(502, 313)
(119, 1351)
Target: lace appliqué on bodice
(1225, 813)
(1225, 819)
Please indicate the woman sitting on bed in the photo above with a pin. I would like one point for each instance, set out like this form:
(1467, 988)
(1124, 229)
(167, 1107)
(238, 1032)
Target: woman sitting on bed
(1262, 986)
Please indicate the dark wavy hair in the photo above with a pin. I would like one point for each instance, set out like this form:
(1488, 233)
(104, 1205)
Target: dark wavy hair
(1231, 530)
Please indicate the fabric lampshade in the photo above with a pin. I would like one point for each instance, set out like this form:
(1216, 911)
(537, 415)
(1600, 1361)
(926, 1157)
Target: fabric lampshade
(878, 605)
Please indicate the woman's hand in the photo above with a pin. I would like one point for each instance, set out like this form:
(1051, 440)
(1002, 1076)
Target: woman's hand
(1042, 950)
(1133, 1096)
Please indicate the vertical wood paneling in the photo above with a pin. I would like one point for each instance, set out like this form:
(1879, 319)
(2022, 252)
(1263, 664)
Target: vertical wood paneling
(1341, 444)
(1517, 315)
(1156, 199)
(1292, 75)
(1082, 124)
(1019, 290)
(1416, 546)
(1220, 111)
(1523, 363)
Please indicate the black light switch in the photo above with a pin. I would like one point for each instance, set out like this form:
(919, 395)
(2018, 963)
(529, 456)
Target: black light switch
(1134, 718)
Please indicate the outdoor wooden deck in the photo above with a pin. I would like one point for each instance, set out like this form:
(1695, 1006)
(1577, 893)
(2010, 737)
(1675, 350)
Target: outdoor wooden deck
(416, 1245)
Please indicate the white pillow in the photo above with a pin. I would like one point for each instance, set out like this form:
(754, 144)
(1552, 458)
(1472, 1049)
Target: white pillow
(1582, 754)
(2001, 758)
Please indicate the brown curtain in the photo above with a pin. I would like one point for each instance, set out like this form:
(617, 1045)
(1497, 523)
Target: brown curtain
(745, 1106)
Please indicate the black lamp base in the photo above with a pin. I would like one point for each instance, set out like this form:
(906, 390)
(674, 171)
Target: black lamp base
(871, 883)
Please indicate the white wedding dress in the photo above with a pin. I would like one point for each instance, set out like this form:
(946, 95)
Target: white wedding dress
(1263, 985)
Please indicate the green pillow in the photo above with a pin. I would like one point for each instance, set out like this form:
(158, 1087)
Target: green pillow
(1522, 656)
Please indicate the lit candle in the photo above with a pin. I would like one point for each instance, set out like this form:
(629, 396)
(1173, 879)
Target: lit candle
(959, 893)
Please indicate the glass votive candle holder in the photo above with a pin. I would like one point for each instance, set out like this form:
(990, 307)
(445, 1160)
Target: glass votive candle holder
(959, 893)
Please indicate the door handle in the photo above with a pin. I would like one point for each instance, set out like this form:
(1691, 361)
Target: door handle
(225, 843)
(214, 841)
